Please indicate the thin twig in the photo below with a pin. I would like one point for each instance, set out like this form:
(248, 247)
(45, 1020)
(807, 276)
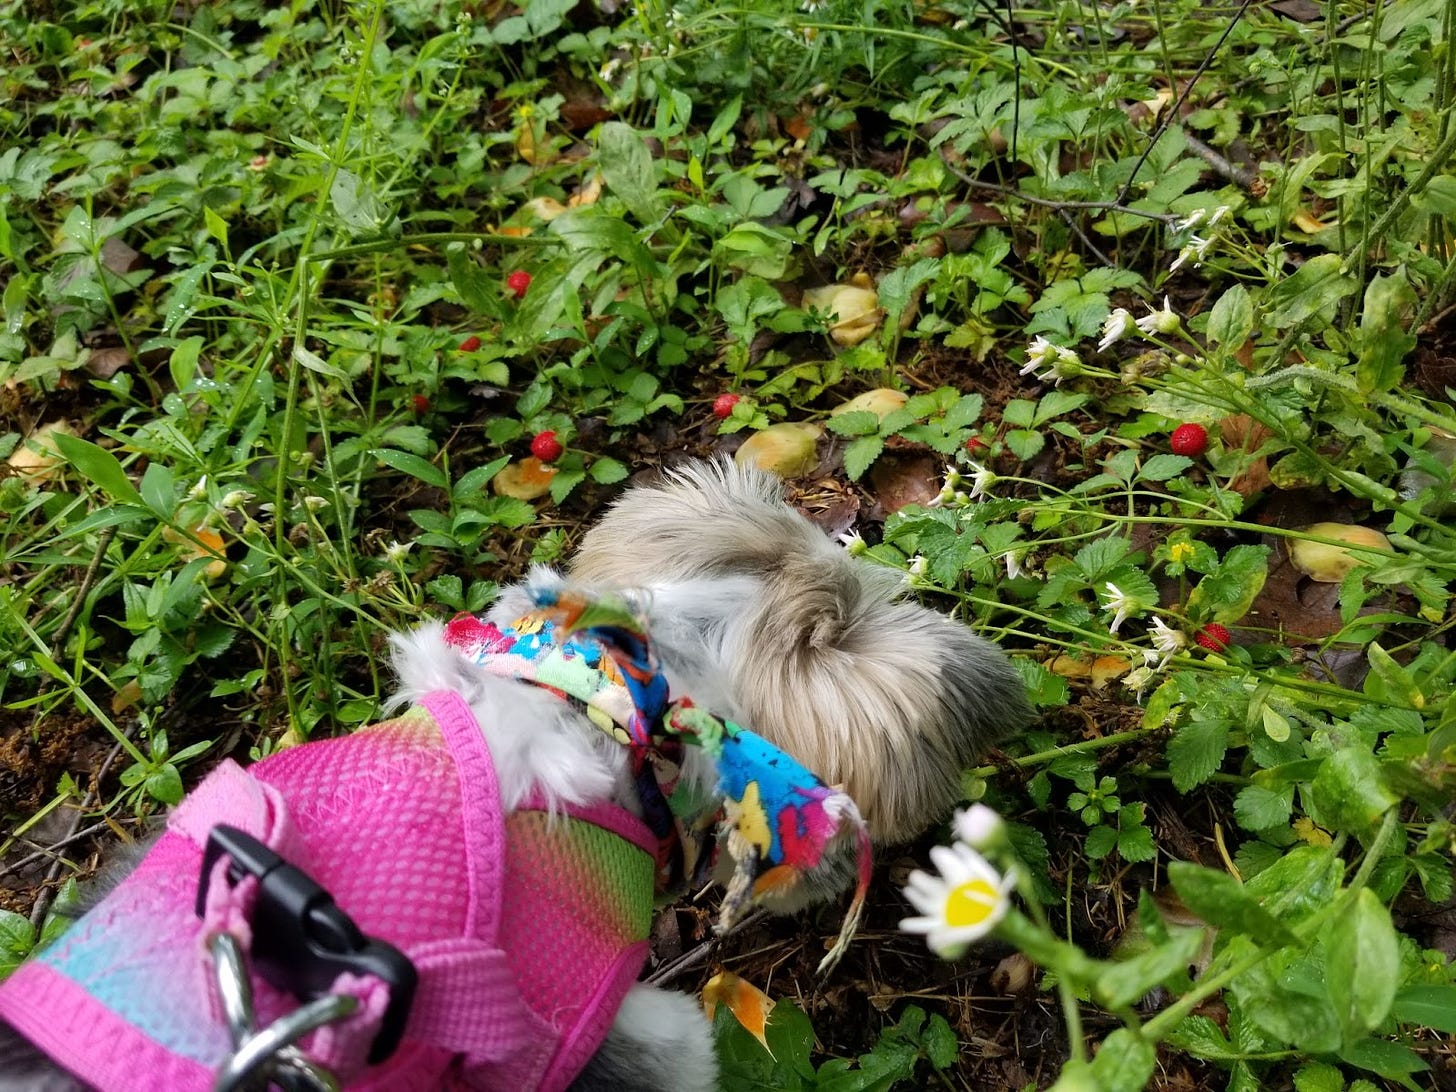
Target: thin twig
(1177, 106)
(48, 852)
(1239, 176)
(694, 956)
(44, 897)
(1046, 202)
(58, 643)
(1071, 222)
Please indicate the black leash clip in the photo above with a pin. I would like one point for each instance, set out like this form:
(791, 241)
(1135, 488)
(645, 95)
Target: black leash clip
(302, 940)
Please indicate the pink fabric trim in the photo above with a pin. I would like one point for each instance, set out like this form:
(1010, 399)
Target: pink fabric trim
(504, 1043)
(55, 1014)
(583, 1040)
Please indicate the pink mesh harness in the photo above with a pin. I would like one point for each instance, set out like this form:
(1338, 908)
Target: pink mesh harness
(526, 930)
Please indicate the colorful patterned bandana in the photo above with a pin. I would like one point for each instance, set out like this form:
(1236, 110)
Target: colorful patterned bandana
(778, 818)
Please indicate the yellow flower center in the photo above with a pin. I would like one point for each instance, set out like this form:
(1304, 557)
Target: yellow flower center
(1180, 552)
(971, 903)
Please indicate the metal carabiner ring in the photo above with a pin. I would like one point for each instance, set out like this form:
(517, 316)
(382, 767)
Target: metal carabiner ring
(257, 1054)
(234, 989)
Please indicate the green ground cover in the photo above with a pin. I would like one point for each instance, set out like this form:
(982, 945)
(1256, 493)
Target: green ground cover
(292, 291)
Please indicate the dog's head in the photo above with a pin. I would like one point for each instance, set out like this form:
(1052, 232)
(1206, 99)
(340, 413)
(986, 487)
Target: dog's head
(759, 616)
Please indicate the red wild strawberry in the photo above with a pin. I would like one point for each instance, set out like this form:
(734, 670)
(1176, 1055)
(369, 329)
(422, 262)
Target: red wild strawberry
(518, 282)
(975, 445)
(419, 402)
(1214, 637)
(470, 344)
(1189, 439)
(723, 405)
(546, 447)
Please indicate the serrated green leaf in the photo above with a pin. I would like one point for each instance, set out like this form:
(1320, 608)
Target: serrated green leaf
(1162, 467)
(860, 454)
(1135, 844)
(941, 1046)
(1259, 808)
(854, 423)
(1100, 842)
(1201, 1037)
(1225, 594)
(1196, 751)
(606, 471)
(1318, 1077)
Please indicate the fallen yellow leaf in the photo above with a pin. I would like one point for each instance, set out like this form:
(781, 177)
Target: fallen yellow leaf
(749, 1005)
(36, 457)
(526, 479)
(129, 694)
(855, 305)
(203, 542)
(788, 449)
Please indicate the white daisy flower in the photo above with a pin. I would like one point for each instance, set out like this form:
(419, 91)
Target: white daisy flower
(1218, 214)
(959, 906)
(979, 827)
(1193, 251)
(1013, 563)
(1121, 606)
(1137, 679)
(981, 482)
(1189, 222)
(1159, 322)
(1115, 327)
(1050, 362)
(854, 543)
(1167, 640)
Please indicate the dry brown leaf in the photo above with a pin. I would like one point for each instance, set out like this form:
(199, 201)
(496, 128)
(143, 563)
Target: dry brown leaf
(1308, 223)
(129, 694)
(586, 195)
(544, 208)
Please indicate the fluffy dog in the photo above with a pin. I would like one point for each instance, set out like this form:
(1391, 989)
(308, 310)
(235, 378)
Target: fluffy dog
(765, 620)
(762, 620)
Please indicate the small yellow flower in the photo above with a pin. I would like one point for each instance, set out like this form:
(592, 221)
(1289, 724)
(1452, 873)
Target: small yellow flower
(1181, 552)
(959, 906)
